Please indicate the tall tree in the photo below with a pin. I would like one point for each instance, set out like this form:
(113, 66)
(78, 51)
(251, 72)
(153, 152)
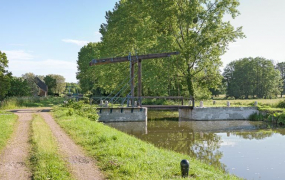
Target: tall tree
(5, 76)
(29, 77)
(56, 83)
(252, 76)
(281, 68)
(195, 28)
(19, 87)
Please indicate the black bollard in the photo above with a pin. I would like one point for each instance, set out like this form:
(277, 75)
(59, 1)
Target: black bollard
(184, 168)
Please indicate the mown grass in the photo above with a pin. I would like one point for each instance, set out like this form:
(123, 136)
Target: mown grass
(45, 160)
(7, 124)
(24, 102)
(122, 156)
(241, 102)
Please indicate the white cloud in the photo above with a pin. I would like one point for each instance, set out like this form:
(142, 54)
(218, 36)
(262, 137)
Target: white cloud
(97, 33)
(18, 55)
(77, 42)
(45, 67)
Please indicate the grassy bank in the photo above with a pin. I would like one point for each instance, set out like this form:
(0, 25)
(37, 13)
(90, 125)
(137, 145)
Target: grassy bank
(45, 160)
(241, 102)
(23, 102)
(122, 156)
(7, 123)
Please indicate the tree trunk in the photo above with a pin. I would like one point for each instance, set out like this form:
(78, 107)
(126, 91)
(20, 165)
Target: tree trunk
(190, 85)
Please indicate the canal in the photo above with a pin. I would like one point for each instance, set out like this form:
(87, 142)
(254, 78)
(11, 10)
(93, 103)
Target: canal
(251, 150)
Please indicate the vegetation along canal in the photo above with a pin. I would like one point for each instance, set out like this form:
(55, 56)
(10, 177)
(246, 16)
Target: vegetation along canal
(251, 150)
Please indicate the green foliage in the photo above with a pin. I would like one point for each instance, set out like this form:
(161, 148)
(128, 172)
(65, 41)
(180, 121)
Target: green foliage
(281, 68)
(5, 76)
(256, 117)
(29, 77)
(281, 104)
(194, 28)
(121, 156)
(45, 159)
(252, 77)
(81, 109)
(56, 83)
(19, 87)
(22, 102)
(7, 122)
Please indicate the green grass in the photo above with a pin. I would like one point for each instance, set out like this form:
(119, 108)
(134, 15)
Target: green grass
(24, 102)
(121, 156)
(45, 160)
(240, 102)
(7, 123)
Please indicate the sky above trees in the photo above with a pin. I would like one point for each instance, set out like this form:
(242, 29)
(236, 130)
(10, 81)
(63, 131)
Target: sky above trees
(45, 37)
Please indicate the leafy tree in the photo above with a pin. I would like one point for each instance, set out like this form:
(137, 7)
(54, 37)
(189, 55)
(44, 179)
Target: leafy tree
(19, 87)
(281, 68)
(72, 88)
(252, 76)
(194, 28)
(5, 76)
(51, 83)
(56, 83)
(88, 76)
(29, 77)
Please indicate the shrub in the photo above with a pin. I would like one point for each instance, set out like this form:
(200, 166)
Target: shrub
(81, 109)
(281, 104)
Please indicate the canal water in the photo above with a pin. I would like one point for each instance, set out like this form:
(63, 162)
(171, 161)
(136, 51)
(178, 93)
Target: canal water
(251, 150)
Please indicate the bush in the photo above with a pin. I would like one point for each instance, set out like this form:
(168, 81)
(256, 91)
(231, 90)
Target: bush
(257, 117)
(81, 109)
(281, 104)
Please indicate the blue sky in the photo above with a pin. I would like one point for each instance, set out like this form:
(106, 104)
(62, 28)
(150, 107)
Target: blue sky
(44, 37)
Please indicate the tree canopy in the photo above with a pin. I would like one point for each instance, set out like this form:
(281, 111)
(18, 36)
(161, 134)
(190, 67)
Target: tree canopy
(194, 28)
(5, 76)
(254, 77)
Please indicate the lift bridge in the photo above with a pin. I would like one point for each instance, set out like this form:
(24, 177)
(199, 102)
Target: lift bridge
(137, 59)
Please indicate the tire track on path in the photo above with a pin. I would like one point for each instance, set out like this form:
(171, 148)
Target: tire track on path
(82, 167)
(14, 157)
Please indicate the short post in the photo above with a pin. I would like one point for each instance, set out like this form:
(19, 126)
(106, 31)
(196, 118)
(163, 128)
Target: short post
(255, 103)
(201, 103)
(136, 104)
(228, 103)
(101, 103)
(214, 102)
(91, 100)
(190, 103)
(184, 164)
(106, 103)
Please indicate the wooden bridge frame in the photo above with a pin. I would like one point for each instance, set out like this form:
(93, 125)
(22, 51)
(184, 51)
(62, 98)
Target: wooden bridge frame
(134, 59)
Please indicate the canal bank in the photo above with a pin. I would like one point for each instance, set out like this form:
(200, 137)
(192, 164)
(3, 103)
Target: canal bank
(217, 113)
(122, 156)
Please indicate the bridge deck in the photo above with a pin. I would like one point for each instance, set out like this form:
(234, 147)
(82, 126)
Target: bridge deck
(167, 107)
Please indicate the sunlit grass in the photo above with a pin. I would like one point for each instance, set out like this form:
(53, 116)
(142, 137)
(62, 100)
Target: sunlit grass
(24, 102)
(46, 161)
(7, 123)
(240, 102)
(122, 156)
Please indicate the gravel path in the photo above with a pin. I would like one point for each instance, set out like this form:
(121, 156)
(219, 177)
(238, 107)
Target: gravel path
(82, 167)
(14, 158)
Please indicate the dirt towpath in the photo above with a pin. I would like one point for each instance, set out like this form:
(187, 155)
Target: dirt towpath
(14, 158)
(82, 166)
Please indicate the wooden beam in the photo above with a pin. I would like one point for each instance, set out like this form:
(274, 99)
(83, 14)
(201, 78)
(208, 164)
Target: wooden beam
(132, 83)
(139, 82)
(134, 58)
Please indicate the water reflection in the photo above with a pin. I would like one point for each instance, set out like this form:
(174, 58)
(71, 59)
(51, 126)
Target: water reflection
(196, 138)
(223, 144)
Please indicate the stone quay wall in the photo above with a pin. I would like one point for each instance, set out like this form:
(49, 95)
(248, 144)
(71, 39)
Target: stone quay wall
(217, 113)
(108, 114)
